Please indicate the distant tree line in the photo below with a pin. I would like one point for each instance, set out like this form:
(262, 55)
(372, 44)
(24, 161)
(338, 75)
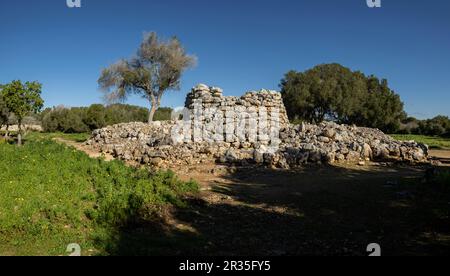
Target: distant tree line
(438, 126)
(86, 119)
(325, 92)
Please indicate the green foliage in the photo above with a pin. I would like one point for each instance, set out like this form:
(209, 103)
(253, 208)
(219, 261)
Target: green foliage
(121, 113)
(59, 196)
(409, 125)
(333, 92)
(85, 119)
(135, 194)
(163, 114)
(320, 93)
(95, 116)
(4, 111)
(156, 68)
(443, 178)
(437, 126)
(22, 99)
(433, 142)
(64, 120)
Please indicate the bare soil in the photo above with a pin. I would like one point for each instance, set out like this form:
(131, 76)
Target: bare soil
(442, 156)
(317, 210)
(85, 148)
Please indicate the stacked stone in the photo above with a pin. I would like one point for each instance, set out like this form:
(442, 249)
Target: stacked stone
(329, 142)
(258, 112)
(156, 145)
(300, 144)
(201, 91)
(216, 92)
(270, 100)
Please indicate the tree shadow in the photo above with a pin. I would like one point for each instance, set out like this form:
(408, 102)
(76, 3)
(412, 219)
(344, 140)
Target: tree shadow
(310, 211)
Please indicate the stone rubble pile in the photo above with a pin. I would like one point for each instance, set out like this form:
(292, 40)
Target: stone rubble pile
(158, 144)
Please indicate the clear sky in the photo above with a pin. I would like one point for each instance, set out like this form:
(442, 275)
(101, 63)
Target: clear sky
(241, 44)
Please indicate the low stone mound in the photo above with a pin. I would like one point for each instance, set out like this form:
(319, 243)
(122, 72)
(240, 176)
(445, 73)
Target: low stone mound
(152, 144)
(329, 142)
(274, 143)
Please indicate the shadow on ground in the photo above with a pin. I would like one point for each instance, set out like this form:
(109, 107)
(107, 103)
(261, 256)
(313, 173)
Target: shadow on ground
(315, 211)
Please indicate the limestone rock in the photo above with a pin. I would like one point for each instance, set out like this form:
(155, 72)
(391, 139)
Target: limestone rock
(240, 129)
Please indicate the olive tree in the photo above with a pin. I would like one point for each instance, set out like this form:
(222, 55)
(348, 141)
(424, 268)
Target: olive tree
(334, 92)
(156, 68)
(22, 99)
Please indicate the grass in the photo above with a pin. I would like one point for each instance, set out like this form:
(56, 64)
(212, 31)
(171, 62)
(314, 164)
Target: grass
(433, 142)
(52, 195)
(442, 178)
(75, 137)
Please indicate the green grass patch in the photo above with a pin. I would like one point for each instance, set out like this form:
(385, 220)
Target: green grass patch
(52, 195)
(33, 136)
(433, 142)
(441, 177)
(75, 137)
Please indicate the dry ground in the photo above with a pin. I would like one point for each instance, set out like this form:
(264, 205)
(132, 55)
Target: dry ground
(318, 210)
(442, 155)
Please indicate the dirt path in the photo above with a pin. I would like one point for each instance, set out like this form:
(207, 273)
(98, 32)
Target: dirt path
(442, 156)
(325, 210)
(84, 148)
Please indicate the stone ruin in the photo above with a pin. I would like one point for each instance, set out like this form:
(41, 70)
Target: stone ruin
(213, 118)
(248, 130)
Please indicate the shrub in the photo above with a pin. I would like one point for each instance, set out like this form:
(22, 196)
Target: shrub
(4, 112)
(64, 120)
(334, 92)
(439, 177)
(438, 126)
(443, 178)
(121, 113)
(85, 119)
(50, 121)
(95, 117)
(134, 194)
(163, 114)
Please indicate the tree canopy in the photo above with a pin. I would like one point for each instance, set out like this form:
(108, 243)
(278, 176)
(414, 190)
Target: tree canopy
(334, 92)
(85, 119)
(4, 111)
(156, 68)
(22, 99)
(437, 126)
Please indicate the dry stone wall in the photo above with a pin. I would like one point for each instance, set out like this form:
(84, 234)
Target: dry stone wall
(254, 117)
(252, 129)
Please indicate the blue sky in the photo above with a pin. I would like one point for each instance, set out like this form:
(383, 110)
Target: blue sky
(241, 44)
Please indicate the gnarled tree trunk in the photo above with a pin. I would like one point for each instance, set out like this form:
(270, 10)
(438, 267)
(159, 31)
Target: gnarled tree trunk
(155, 103)
(19, 135)
(152, 113)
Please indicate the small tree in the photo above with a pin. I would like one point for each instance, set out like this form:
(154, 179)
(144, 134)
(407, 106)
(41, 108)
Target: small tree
(4, 112)
(157, 67)
(22, 99)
